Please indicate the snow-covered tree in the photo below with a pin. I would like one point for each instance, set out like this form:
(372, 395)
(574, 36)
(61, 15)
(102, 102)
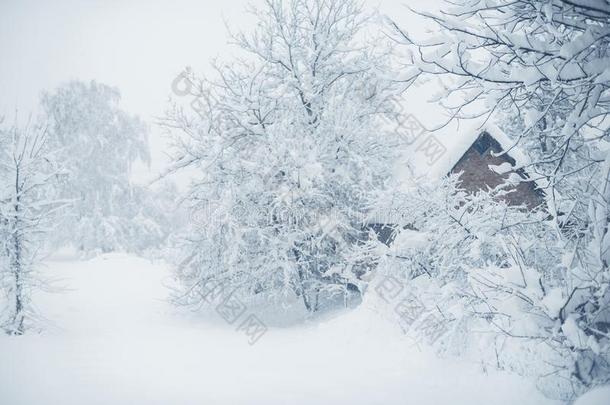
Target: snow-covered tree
(546, 64)
(290, 146)
(484, 278)
(27, 171)
(98, 143)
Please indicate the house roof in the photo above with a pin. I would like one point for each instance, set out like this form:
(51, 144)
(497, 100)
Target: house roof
(434, 154)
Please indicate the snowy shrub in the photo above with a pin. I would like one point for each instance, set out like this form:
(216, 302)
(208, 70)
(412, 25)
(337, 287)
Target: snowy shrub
(487, 278)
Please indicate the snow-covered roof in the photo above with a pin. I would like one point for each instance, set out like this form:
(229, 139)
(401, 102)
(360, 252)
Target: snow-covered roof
(433, 154)
(430, 142)
(426, 151)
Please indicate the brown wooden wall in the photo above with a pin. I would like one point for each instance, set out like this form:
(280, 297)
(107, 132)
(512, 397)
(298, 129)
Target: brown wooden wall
(476, 175)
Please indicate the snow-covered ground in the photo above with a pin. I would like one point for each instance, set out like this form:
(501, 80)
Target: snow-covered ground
(110, 342)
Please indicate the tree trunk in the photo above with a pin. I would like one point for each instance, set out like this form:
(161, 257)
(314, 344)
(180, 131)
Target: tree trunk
(17, 322)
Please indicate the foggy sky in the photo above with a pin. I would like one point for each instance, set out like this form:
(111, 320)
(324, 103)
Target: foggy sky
(138, 46)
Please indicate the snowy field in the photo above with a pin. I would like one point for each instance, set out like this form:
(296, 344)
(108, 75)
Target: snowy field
(122, 343)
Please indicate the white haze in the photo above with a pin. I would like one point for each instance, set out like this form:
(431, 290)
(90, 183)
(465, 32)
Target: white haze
(138, 46)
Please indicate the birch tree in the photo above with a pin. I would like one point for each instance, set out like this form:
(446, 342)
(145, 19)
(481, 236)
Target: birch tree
(98, 144)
